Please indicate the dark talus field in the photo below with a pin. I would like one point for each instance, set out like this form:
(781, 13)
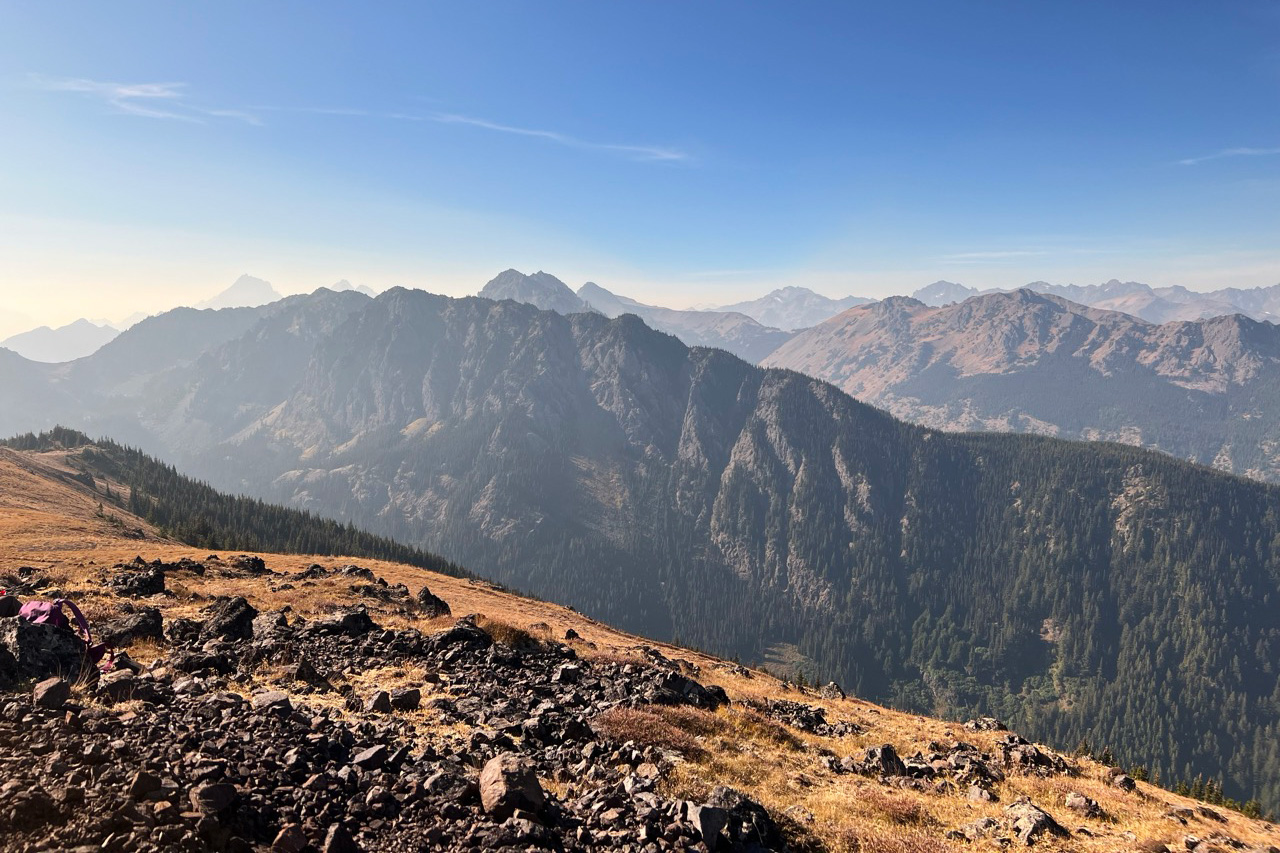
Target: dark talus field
(1092, 592)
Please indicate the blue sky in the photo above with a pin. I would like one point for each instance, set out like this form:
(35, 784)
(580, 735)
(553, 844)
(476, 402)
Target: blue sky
(683, 152)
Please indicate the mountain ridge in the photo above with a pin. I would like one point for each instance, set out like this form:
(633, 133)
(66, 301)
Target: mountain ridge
(65, 343)
(792, 307)
(1025, 361)
(681, 491)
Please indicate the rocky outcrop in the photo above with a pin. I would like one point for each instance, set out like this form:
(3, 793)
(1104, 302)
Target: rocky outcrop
(432, 606)
(191, 764)
(28, 650)
(1030, 823)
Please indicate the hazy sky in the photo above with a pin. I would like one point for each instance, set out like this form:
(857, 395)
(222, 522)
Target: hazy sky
(681, 152)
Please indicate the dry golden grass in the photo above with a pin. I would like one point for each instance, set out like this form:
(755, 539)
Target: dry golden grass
(51, 524)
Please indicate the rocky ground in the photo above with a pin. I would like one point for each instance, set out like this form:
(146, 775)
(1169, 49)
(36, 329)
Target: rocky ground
(240, 728)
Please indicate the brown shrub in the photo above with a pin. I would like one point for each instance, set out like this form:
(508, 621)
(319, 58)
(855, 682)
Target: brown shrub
(898, 810)
(508, 634)
(645, 726)
(748, 723)
(897, 841)
(695, 721)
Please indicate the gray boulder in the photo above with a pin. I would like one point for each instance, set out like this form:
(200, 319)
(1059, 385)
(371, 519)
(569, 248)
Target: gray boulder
(39, 651)
(1029, 822)
(432, 606)
(508, 785)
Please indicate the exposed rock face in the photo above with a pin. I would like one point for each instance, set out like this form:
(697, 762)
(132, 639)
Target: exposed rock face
(1028, 362)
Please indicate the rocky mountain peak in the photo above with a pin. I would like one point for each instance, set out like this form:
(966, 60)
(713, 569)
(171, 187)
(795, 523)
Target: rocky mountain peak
(540, 289)
(943, 292)
(246, 291)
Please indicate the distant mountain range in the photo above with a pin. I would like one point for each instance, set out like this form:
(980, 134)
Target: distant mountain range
(727, 330)
(792, 308)
(1153, 304)
(83, 337)
(1206, 390)
(343, 284)
(65, 343)
(684, 492)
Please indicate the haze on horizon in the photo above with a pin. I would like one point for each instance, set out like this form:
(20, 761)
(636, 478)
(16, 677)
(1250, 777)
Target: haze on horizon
(681, 154)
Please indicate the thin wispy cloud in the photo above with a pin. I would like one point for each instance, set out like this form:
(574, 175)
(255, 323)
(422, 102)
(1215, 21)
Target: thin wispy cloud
(1230, 152)
(638, 152)
(172, 101)
(729, 273)
(984, 257)
(654, 153)
(149, 100)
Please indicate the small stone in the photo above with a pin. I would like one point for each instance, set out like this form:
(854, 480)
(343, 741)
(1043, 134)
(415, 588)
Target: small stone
(1081, 804)
(406, 698)
(709, 821)
(979, 794)
(52, 693)
(143, 783)
(378, 703)
(1124, 782)
(272, 700)
(231, 620)
(371, 758)
(339, 840)
(117, 686)
(568, 673)
(214, 798)
(433, 607)
(1029, 821)
(289, 839)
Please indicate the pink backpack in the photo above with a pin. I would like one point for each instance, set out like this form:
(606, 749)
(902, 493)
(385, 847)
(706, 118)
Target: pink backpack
(50, 613)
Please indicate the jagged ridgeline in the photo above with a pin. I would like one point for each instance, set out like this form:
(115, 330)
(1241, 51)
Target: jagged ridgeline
(195, 513)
